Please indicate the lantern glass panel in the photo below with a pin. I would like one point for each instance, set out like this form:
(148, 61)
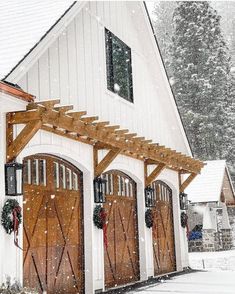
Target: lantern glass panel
(99, 190)
(183, 201)
(14, 179)
(149, 197)
(19, 181)
(11, 181)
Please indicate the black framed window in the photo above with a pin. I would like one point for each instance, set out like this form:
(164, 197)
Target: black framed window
(118, 63)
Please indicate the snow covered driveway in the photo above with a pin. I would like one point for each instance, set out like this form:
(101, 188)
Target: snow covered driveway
(194, 283)
(222, 260)
(218, 276)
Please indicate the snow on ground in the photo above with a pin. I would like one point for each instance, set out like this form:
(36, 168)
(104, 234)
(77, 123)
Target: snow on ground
(221, 260)
(218, 276)
(194, 283)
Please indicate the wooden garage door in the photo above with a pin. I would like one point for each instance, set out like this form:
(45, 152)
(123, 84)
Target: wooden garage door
(53, 228)
(163, 230)
(122, 252)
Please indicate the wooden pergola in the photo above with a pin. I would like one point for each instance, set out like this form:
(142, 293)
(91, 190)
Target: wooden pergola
(61, 120)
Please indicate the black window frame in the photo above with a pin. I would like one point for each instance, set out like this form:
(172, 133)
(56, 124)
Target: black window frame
(109, 36)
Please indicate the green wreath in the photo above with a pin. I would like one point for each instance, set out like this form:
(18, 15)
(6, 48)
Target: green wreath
(149, 218)
(11, 210)
(99, 217)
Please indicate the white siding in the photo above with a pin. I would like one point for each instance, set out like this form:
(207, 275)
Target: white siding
(74, 70)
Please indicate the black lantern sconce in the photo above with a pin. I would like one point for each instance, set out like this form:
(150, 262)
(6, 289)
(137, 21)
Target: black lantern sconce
(99, 190)
(183, 201)
(14, 179)
(149, 197)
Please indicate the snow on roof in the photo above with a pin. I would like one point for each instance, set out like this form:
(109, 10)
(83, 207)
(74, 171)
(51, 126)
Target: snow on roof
(207, 186)
(22, 25)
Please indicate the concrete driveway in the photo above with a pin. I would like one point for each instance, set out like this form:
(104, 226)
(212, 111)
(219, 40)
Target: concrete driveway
(220, 282)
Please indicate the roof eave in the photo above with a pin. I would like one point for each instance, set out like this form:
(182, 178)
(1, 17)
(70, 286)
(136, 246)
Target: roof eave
(16, 92)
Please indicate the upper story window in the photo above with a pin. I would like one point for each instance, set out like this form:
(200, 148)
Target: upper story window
(118, 62)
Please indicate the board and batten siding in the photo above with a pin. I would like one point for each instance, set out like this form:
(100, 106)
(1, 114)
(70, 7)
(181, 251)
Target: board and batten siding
(73, 69)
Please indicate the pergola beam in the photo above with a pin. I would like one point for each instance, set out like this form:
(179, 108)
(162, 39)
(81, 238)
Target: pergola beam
(100, 167)
(185, 184)
(18, 144)
(49, 116)
(153, 175)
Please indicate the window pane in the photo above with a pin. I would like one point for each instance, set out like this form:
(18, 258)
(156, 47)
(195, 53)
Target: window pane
(75, 182)
(118, 62)
(56, 175)
(42, 172)
(131, 190)
(121, 68)
(68, 178)
(35, 178)
(62, 176)
(127, 187)
(27, 171)
(119, 185)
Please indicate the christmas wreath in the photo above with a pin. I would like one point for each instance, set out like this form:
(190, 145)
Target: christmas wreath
(149, 218)
(11, 215)
(184, 220)
(99, 219)
(11, 218)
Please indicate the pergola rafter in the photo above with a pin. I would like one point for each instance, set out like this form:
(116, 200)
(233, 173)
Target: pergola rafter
(61, 120)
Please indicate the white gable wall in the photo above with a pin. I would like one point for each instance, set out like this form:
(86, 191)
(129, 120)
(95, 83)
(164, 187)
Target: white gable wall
(9, 257)
(74, 70)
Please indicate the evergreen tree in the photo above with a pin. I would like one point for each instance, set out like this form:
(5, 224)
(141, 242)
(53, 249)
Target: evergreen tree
(163, 28)
(200, 66)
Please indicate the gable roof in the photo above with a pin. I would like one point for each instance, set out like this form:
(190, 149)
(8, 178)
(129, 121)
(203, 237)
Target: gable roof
(37, 30)
(208, 185)
(29, 22)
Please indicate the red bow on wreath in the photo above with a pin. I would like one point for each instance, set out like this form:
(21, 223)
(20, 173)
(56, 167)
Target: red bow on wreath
(16, 222)
(103, 216)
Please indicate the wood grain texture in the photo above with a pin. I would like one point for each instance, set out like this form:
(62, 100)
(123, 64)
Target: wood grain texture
(100, 167)
(122, 253)
(185, 184)
(53, 117)
(163, 230)
(53, 232)
(16, 146)
(156, 172)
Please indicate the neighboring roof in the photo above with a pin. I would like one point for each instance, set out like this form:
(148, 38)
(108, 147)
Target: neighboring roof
(22, 25)
(207, 186)
(15, 91)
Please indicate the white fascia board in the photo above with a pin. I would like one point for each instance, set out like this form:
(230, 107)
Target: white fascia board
(23, 67)
(221, 184)
(10, 103)
(163, 71)
(230, 180)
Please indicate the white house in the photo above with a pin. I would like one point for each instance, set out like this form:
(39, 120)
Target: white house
(212, 200)
(78, 61)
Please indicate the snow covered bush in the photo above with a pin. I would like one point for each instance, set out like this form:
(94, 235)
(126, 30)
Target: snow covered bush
(15, 288)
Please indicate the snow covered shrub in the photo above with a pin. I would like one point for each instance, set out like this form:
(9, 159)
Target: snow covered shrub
(15, 288)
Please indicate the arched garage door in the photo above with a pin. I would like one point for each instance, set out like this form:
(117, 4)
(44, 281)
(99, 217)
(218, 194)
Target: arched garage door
(53, 228)
(122, 251)
(163, 230)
